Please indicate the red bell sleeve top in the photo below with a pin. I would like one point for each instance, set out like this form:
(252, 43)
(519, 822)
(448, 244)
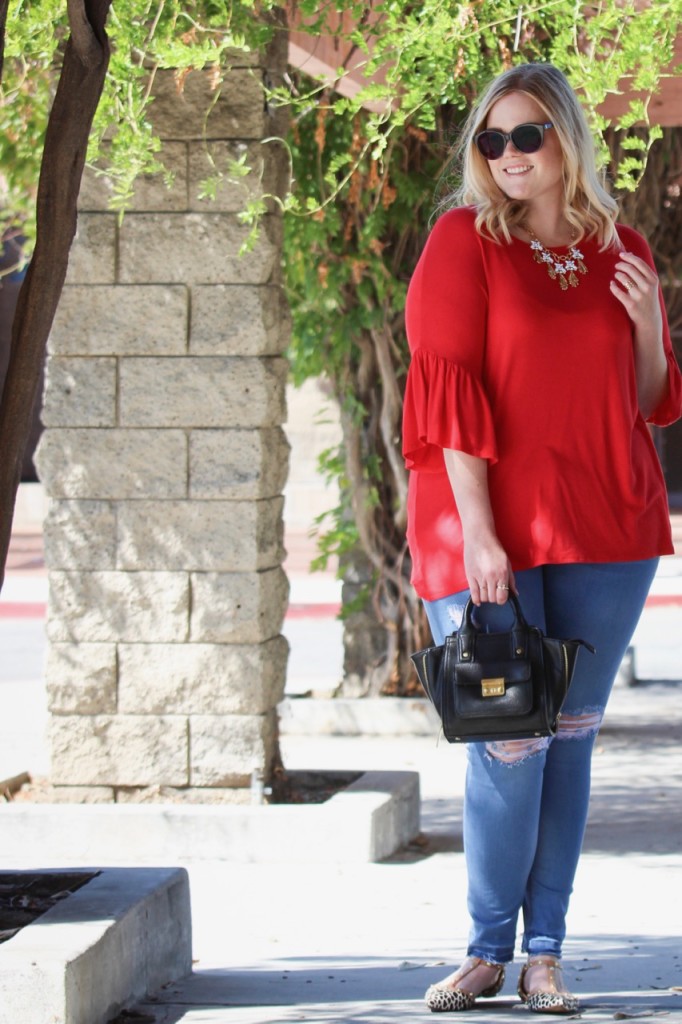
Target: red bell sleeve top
(541, 383)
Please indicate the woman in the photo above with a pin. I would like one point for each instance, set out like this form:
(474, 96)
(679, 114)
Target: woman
(539, 349)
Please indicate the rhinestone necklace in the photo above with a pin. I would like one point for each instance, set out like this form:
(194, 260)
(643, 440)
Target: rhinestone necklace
(561, 268)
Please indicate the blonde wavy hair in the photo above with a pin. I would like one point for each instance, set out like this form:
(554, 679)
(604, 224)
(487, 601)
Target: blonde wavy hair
(588, 207)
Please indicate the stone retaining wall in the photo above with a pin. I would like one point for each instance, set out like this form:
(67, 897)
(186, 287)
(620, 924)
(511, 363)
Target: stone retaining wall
(165, 460)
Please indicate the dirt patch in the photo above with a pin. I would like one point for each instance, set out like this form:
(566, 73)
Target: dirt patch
(307, 787)
(25, 895)
(286, 787)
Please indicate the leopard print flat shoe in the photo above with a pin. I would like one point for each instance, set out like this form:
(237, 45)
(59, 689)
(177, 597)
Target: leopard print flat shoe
(450, 996)
(553, 998)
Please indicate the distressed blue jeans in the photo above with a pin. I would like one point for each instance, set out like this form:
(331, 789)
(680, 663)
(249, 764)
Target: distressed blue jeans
(526, 801)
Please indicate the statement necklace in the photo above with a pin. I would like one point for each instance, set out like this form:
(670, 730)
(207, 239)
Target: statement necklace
(561, 268)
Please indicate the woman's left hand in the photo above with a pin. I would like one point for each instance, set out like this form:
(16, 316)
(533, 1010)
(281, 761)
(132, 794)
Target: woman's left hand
(636, 286)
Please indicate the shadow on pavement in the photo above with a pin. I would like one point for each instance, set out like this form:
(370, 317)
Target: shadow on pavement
(619, 980)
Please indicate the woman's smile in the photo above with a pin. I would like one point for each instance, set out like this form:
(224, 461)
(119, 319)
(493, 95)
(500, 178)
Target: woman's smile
(518, 170)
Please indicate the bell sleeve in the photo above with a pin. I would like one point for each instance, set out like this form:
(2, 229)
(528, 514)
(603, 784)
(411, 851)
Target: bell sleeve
(445, 407)
(669, 409)
(445, 403)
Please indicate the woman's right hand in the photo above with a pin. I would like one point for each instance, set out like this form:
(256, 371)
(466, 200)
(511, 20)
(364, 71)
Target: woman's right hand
(488, 570)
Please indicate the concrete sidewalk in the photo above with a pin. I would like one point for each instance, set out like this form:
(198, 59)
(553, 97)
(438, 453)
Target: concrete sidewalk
(333, 945)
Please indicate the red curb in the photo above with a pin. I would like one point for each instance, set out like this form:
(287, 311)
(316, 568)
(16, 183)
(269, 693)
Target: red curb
(38, 610)
(22, 610)
(313, 611)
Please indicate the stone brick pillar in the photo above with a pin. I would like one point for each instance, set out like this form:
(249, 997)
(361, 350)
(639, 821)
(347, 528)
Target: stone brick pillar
(165, 460)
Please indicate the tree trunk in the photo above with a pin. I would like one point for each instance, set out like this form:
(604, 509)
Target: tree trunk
(380, 634)
(86, 58)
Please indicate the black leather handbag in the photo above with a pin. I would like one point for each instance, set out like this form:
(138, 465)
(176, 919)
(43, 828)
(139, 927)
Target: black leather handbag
(498, 686)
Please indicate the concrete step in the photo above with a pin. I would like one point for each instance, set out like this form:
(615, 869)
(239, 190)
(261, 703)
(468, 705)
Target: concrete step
(367, 821)
(121, 937)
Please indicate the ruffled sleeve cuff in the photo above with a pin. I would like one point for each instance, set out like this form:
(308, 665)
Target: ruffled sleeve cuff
(445, 407)
(670, 408)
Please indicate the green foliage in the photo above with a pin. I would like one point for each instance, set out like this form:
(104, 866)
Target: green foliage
(25, 98)
(437, 54)
(341, 280)
(420, 59)
(335, 530)
(145, 35)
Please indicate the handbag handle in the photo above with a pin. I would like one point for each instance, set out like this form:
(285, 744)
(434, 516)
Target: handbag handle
(513, 603)
(466, 636)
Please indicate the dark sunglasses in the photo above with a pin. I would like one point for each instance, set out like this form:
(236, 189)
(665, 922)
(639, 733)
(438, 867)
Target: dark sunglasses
(527, 138)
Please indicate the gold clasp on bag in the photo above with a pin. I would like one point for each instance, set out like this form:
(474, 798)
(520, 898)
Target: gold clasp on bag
(492, 687)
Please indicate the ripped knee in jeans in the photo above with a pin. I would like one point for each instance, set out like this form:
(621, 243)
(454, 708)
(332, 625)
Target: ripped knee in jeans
(579, 725)
(516, 751)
